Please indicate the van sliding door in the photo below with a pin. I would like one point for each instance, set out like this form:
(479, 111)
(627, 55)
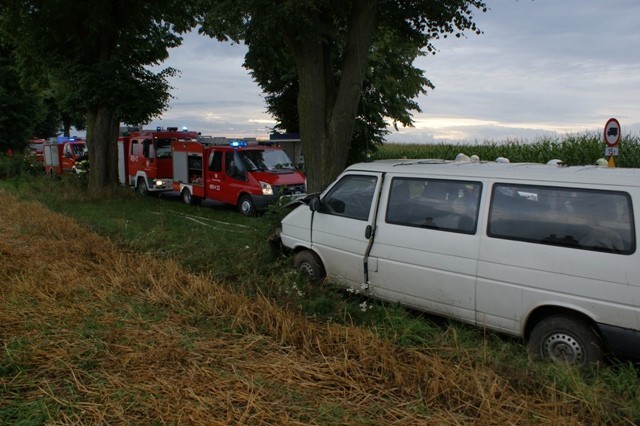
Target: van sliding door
(426, 245)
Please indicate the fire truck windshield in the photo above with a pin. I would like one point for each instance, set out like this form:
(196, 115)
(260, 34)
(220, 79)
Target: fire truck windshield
(266, 160)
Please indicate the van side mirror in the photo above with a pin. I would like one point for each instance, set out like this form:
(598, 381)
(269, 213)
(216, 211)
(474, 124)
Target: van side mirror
(315, 204)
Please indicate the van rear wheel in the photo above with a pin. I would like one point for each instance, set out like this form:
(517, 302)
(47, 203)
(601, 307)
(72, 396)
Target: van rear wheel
(309, 265)
(189, 198)
(566, 338)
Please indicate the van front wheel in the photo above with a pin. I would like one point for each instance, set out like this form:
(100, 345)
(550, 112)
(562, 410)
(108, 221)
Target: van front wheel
(247, 206)
(565, 338)
(309, 265)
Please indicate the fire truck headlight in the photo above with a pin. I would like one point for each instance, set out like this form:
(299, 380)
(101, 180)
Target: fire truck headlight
(266, 188)
(158, 183)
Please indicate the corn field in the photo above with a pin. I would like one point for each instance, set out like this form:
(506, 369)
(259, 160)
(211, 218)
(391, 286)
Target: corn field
(571, 150)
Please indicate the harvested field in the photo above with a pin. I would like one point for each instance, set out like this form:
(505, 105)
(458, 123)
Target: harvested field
(92, 334)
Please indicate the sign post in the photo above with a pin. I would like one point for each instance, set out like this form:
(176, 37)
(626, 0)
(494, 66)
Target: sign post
(612, 138)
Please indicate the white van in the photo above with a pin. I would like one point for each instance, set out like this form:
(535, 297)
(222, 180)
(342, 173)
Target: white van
(544, 252)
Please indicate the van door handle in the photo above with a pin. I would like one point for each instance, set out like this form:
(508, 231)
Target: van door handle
(368, 232)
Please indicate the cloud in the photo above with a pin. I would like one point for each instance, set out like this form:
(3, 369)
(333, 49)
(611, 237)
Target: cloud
(543, 67)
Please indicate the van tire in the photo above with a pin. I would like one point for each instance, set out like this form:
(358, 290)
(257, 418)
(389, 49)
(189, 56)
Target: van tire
(142, 186)
(188, 198)
(309, 265)
(246, 206)
(566, 338)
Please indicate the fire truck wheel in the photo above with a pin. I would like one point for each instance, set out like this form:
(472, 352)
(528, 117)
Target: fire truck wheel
(142, 186)
(188, 198)
(309, 265)
(246, 206)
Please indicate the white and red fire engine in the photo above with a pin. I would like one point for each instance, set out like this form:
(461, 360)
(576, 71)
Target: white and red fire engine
(249, 176)
(65, 155)
(145, 158)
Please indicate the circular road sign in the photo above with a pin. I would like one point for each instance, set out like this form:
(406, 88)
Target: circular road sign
(612, 132)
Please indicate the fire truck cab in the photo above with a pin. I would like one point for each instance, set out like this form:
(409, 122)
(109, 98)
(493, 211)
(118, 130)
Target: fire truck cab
(234, 172)
(65, 155)
(145, 158)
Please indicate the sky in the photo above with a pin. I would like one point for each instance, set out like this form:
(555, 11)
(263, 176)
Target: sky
(541, 68)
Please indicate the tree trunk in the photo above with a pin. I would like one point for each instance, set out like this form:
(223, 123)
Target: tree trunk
(327, 112)
(102, 135)
(66, 125)
(312, 110)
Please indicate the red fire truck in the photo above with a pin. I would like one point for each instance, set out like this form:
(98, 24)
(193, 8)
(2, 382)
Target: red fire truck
(35, 149)
(249, 176)
(65, 155)
(145, 160)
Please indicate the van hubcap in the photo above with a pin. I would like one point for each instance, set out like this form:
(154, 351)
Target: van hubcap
(307, 269)
(563, 347)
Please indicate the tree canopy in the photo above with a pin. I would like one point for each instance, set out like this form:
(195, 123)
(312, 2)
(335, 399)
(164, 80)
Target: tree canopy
(95, 55)
(347, 60)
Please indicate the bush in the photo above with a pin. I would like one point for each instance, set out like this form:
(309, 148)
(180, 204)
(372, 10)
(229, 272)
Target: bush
(16, 166)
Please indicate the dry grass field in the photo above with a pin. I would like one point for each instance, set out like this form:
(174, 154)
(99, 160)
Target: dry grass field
(92, 334)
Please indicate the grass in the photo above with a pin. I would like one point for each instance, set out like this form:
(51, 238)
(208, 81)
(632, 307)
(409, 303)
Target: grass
(181, 314)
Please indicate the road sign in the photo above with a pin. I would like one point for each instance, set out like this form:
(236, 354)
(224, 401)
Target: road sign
(611, 150)
(612, 132)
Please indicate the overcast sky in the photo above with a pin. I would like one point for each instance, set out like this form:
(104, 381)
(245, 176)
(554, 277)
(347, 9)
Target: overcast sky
(541, 68)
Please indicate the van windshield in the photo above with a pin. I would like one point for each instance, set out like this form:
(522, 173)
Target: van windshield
(271, 160)
(78, 149)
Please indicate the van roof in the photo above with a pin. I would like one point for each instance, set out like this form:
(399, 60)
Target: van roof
(516, 172)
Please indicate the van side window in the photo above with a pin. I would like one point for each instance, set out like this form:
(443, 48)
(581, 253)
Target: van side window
(145, 148)
(446, 205)
(215, 161)
(569, 217)
(351, 197)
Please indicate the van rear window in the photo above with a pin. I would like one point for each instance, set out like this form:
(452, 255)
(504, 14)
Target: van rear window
(569, 217)
(446, 205)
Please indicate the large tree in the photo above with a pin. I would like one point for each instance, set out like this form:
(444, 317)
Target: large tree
(97, 53)
(333, 44)
(391, 86)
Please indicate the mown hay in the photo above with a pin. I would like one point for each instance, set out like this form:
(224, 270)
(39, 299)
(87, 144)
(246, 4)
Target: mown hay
(92, 334)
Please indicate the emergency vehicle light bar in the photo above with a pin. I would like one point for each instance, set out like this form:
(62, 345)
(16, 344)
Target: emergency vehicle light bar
(237, 143)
